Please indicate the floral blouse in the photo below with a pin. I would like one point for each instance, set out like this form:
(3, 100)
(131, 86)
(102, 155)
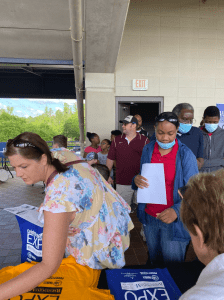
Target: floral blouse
(65, 155)
(99, 234)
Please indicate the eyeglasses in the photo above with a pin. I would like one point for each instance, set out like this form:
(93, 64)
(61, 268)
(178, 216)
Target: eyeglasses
(21, 144)
(185, 121)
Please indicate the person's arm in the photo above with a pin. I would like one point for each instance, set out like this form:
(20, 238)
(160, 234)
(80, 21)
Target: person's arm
(111, 157)
(54, 242)
(200, 162)
(85, 154)
(200, 153)
(139, 181)
(109, 164)
(189, 167)
(167, 216)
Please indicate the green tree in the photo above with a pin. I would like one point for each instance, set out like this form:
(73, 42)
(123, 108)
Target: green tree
(46, 125)
(10, 110)
(71, 127)
(11, 126)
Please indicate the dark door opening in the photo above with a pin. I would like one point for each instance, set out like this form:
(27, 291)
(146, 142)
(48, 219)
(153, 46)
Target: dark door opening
(148, 112)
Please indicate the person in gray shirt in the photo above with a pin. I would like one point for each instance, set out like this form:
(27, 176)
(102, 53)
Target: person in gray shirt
(102, 156)
(213, 137)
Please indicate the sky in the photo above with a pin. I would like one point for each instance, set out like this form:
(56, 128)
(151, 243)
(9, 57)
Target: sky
(33, 107)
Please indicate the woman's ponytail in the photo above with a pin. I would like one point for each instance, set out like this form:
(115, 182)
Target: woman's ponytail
(58, 165)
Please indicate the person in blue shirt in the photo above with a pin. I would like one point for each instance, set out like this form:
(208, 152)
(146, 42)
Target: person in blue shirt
(165, 234)
(188, 134)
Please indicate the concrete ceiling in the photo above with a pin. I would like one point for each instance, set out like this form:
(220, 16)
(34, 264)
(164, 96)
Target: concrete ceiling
(31, 29)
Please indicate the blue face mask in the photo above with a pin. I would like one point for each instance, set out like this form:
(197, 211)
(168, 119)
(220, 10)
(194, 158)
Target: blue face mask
(166, 146)
(184, 128)
(211, 127)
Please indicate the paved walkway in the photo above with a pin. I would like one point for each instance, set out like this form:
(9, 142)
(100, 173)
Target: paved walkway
(14, 192)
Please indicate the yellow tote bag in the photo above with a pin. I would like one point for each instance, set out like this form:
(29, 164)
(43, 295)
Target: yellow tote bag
(71, 281)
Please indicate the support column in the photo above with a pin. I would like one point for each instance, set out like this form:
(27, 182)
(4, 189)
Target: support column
(100, 104)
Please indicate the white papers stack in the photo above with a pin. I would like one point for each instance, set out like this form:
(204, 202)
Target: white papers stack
(27, 212)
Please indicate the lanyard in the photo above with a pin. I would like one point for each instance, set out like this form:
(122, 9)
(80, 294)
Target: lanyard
(67, 164)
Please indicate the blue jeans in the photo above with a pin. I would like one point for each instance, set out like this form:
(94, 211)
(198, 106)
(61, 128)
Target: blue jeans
(162, 249)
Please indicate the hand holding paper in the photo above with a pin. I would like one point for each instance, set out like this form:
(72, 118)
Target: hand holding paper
(155, 193)
(141, 182)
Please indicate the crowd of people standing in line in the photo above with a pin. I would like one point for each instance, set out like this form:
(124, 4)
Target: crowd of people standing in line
(185, 150)
(91, 220)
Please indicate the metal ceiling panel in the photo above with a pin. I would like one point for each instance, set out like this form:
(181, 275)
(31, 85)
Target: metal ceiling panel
(35, 14)
(35, 44)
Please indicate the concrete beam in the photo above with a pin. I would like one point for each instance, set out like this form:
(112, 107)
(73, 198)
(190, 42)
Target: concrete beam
(104, 27)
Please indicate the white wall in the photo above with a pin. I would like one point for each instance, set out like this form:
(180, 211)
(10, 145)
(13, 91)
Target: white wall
(100, 104)
(178, 45)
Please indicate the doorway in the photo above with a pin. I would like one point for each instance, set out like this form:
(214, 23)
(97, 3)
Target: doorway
(147, 107)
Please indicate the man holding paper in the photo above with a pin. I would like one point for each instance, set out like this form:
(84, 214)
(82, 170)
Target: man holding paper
(166, 237)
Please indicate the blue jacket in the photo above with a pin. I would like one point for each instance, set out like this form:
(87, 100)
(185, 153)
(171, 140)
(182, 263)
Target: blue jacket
(186, 166)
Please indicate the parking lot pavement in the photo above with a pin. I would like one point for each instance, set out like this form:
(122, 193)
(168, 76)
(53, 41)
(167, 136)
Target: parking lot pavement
(14, 192)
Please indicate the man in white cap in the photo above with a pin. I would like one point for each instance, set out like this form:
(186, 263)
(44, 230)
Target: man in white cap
(126, 149)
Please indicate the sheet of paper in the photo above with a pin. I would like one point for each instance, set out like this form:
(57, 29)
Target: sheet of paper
(27, 212)
(156, 192)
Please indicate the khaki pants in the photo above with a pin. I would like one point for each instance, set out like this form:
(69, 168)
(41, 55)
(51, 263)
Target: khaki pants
(126, 192)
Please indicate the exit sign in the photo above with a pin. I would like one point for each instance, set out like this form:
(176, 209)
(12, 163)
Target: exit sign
(140, 84)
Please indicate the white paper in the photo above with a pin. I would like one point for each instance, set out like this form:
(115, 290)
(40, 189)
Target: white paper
(156, 192)
(141, 285)
(27, 212)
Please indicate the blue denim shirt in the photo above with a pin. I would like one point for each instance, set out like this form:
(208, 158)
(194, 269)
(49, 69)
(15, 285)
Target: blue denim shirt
(186, 166)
